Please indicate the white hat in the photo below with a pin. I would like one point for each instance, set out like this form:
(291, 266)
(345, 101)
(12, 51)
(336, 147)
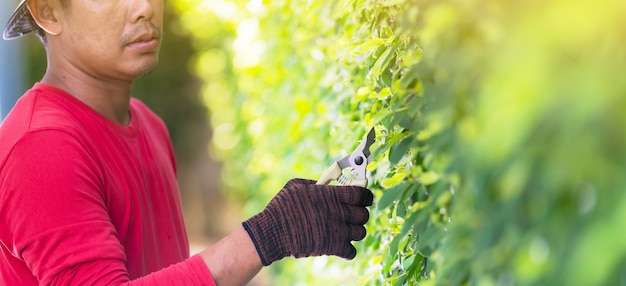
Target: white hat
(20, 23)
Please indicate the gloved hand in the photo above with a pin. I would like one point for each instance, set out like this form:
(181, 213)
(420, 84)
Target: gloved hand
(305, 219)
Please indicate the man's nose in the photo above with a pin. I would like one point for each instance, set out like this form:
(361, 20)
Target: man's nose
(142, 9)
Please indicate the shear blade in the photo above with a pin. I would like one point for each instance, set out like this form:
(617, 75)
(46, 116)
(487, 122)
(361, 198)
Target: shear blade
(360, 157)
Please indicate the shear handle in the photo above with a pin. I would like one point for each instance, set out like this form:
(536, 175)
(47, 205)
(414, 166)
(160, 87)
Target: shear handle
(332, 173)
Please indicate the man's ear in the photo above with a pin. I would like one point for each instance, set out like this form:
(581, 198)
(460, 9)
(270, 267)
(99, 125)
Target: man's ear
(45, 15)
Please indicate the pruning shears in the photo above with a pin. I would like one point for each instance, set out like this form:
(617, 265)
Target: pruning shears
(357, 163)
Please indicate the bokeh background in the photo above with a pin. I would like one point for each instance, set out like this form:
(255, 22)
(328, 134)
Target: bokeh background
(500, 127)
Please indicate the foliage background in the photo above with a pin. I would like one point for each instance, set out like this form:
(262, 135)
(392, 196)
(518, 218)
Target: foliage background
(500, 128)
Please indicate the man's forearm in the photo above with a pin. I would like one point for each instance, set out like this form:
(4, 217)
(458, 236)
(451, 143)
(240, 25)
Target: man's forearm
(233, 260)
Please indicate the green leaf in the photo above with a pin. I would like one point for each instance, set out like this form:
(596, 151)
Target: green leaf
(380, 115)
(394, 180)
(429, 178)
(401, 209)
(401, 280)
(409, 223)
(384, 93)
(406, 227)
(413, 269)
(399, 150)
(407, 263)
(382, 62)
(391, 195)
(367, 46)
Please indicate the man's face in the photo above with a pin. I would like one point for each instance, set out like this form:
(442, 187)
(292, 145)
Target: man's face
(111, 39)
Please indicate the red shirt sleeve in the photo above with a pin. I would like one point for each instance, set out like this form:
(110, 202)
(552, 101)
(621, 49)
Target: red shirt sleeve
(54, 218)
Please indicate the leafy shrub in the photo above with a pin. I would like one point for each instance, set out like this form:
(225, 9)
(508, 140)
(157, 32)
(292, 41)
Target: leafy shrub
(499, 126)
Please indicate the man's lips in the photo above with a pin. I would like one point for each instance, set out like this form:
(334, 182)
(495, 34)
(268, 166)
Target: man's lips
(148, 45)
(145, 42)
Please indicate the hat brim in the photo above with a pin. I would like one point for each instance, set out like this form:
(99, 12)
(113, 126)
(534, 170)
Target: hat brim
(20, 23)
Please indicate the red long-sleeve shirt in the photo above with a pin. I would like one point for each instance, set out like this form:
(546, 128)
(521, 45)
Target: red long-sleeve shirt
(86, 201)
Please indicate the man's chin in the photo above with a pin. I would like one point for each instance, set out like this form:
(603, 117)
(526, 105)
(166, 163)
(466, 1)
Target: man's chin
(144, 69)
(147, 71)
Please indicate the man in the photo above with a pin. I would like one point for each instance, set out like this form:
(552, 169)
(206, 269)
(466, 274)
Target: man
(88, 192)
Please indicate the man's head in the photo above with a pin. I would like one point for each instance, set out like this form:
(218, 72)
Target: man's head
(113, 38)
(22, 23)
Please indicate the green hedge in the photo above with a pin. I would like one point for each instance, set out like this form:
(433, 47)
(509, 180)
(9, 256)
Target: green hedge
(500, 130)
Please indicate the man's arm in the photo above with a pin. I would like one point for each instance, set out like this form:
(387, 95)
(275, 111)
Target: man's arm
(233, 260)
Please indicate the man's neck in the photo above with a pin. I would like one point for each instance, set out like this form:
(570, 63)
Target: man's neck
(109, 98)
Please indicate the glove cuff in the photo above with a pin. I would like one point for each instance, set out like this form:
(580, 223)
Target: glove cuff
(264, 232)
(256, 243)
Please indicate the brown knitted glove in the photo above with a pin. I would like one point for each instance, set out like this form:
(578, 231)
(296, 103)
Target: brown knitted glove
(305, 219)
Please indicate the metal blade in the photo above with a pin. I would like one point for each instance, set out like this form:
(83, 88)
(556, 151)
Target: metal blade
(357, 160)
(369, 140)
